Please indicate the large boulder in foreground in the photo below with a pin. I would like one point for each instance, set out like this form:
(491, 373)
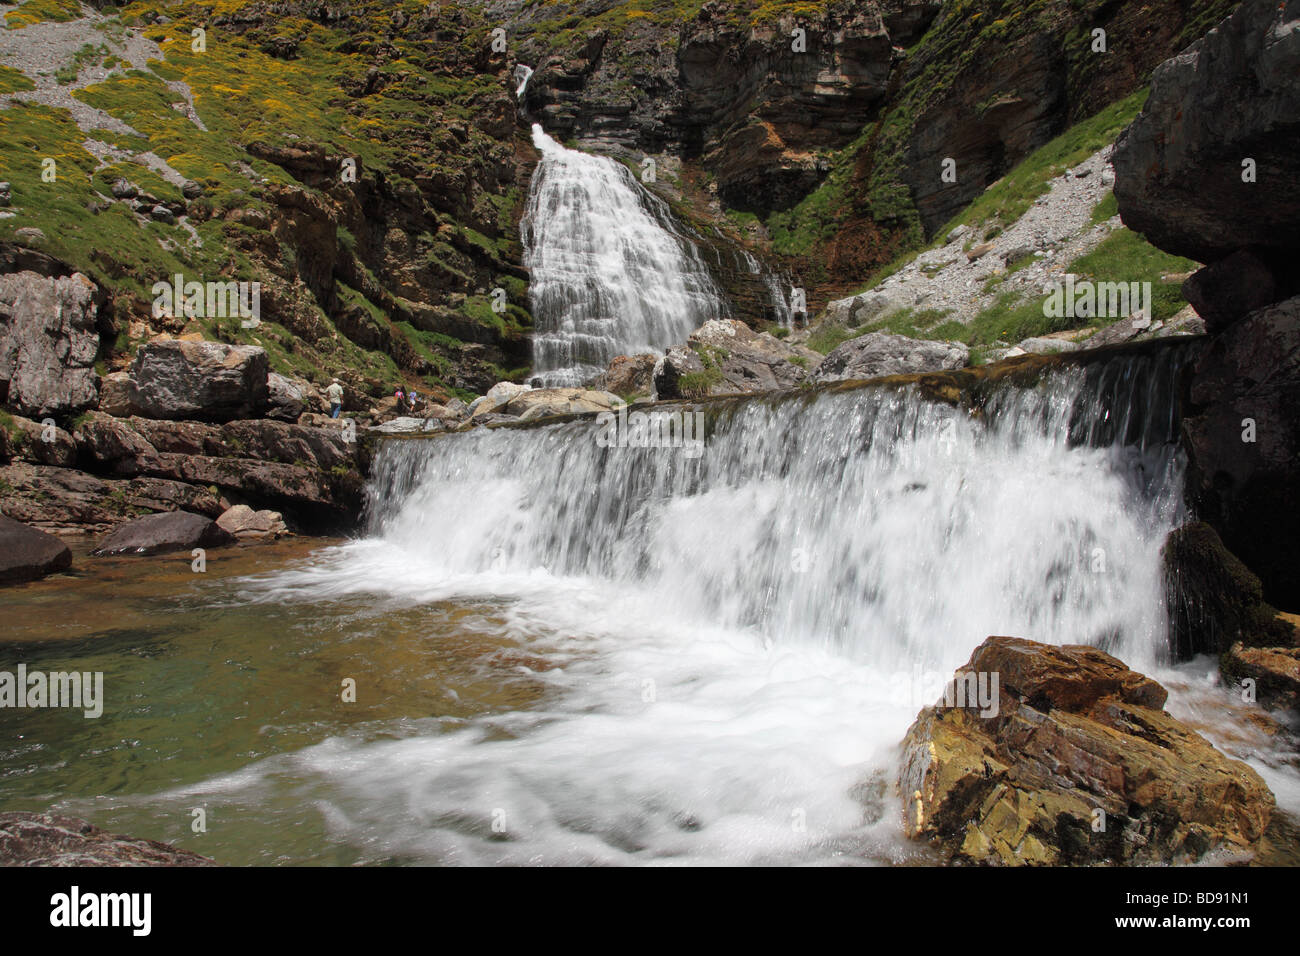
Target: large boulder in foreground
(50, 839)
(878, 354)
(1229, 97)
(202, 381)
(27, 553)
(48, 343)
(163, 533)
(1077, 763)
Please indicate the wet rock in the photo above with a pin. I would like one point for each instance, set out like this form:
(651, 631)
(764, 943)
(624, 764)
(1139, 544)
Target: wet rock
(1232, 95)
(205, 381)
(1079, 764)
(28, 553)
(1214, 600)
(629, 375)
(1274, 670)
(878, 354)
(48, 343)
(163, 533)
(49, 839)
(249, 525)
(1242, 432)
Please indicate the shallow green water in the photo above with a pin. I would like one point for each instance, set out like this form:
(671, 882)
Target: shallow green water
(199, 682)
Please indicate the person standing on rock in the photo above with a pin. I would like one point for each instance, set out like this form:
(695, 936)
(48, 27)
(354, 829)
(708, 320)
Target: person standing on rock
(335, 394)
(412, 399)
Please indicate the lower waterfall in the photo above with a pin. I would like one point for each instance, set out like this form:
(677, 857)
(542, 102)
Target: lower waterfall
(729, 646)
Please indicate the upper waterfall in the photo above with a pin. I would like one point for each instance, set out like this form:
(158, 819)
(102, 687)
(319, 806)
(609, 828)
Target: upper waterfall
(611, 271)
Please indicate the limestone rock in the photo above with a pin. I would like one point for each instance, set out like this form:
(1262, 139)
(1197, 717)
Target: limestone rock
(115, 395)
(878, 354)
(1077, 740)
(249, 525)
(725, 356)
(48, 343)
(205, 381)
(629, 375)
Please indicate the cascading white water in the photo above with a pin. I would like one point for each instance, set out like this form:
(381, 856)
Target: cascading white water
(611, 272)
(734, 644)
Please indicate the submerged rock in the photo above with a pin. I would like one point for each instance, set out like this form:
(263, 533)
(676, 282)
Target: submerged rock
(50, 839)
(878, 354)
(163, 533)
(1077, 763)
(28, 553)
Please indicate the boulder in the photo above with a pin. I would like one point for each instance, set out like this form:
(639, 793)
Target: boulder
(163, 533)
(115, 395)
(1226, 290)
(725, 356)
(878, 354)
(113, 446)
(1077, 763)
(502, 392)
(1230, 96)
(1275, 671)
(323, 447)
(629, 375)
(286, 399)
(42, 442)
(1046, 346)
(50, 839)
(249, 525)
(205, 381)
(1214, 600)
(541, 402)
(48, 343)
(27, 553)
(1242, 432)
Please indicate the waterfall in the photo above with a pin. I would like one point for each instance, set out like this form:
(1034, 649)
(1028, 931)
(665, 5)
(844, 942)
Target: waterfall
(732, 641)
(611, 271)
(523, 73)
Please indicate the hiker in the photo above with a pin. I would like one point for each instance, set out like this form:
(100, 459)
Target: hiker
(400, 397)
(335, 394)
(413, 397)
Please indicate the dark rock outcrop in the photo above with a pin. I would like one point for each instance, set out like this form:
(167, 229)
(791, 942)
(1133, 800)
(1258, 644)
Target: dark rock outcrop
(1214, 600)
(1230, 97)
(878, 354)
(164, 533)
(204, 381)
(1079, 764)
(48, 343)
(1242, 431)
(27, 553)
(51, 839)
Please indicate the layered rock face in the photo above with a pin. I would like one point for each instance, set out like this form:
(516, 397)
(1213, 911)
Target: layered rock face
(754, 100)
(1211, 170)
(1078, 763)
